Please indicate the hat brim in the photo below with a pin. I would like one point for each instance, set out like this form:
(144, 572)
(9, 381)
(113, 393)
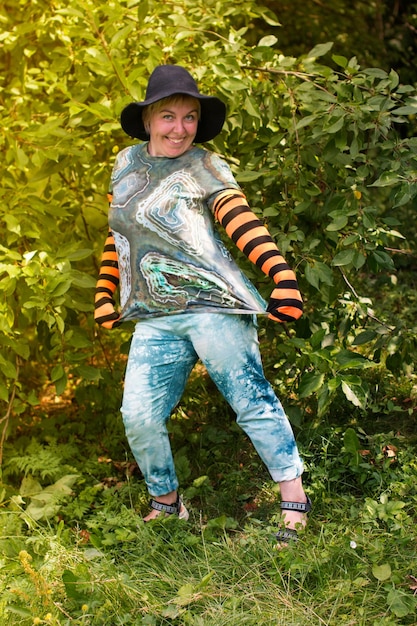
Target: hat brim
(213, 115)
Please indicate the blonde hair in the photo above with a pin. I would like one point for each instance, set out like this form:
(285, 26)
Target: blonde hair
(178, 98)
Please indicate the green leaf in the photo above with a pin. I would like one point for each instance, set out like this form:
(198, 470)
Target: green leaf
(22, 612)
(171, 612)
(359, 259)
(310, 383)
(185, 595)
(336, 126)
(61, 287)
(340, 60)
(338, 223)
(351, 395)
(375, 72)
(325, 273)
(7, 368)
(63, 486)
(345, 257)
(84, 281)
(382, 572)
(410, 109)
(87, 372)
(142, 10)
(206, 579)
(234, 84)
(223, 522)
(29, 487)
(320, 50)
(305, 121)
(121, 34)
(72, 586)
(312, 275)
(351, 441)
(270, 212)
(250, 108)
(268, 41)
(383, 260)
(57, 373)
(405, 194)
(317, 273)
(248, 176)
(364, 337)
(400, 603)
(4, 393)
(46, 503)
(32, 398)
(325, 396)
(78, 255)
(387, 179)
(60, 385)
(268, 16)
(348, 359)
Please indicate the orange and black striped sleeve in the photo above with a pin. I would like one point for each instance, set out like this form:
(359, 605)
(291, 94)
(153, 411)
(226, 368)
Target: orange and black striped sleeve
(107, 283)
(232, 211)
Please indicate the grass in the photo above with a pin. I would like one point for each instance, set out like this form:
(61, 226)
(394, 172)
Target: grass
(95, 562)
(173, 573)
(75, 551)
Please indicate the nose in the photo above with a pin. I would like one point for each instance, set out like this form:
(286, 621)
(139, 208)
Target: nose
(179, 126)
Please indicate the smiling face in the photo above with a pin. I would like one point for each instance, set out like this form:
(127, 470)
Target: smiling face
(172, 126)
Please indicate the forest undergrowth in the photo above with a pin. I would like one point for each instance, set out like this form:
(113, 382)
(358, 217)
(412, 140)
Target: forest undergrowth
(76, 551)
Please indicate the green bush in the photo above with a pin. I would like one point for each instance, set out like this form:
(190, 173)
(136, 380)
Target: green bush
(316, 150)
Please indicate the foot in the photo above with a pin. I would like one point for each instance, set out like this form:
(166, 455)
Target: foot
(170, 504)
(153, 514)
(294, 517)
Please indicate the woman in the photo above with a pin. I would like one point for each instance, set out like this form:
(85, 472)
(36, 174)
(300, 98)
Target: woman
(182, 287)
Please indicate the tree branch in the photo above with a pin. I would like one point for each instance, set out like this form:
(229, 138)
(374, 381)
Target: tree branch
(368, 312)
(6, 418)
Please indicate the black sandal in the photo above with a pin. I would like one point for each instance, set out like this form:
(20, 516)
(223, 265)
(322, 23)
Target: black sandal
(290, 534)
(176, 508)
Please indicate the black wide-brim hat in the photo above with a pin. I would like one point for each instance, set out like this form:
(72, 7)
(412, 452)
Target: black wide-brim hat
(169, 80)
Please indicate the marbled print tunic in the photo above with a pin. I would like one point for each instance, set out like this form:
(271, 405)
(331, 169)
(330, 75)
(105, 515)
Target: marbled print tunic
(170, 256)
(165, 253)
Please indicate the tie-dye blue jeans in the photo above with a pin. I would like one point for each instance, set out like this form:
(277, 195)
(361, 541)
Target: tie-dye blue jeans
(163, 352)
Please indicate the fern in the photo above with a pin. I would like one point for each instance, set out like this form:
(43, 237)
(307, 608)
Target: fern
(86, 500)
(48, 462)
